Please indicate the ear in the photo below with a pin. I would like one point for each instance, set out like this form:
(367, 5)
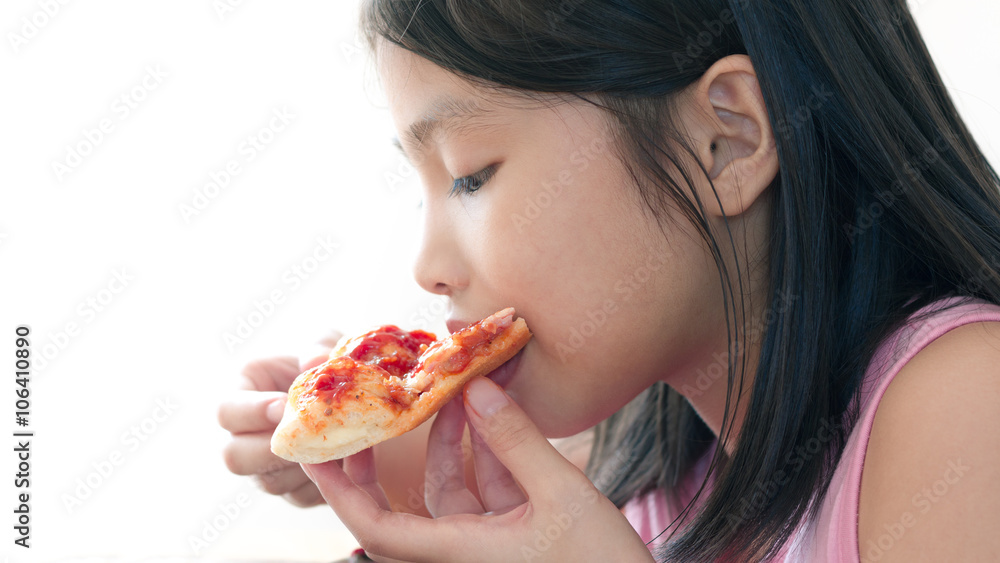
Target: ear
(725, 110)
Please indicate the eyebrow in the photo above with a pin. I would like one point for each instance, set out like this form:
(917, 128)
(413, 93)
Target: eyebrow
(446, 114)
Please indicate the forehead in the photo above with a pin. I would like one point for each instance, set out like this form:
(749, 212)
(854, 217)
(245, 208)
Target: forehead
(426, 99)
(413, 83)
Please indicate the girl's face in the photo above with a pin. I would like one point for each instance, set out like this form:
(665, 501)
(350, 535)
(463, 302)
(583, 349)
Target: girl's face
(527, 206)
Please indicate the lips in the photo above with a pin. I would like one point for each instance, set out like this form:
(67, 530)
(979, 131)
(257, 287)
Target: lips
(455, 325)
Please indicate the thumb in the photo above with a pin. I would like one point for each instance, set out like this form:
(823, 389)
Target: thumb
(516, 441)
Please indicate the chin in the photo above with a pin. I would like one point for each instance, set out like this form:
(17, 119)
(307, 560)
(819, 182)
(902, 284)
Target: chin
(540, 388)
(551, 422)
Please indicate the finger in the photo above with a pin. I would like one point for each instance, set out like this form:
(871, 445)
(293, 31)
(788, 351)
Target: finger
(282, 481)
(250, 454)
(497, 487)
(319, 352)
(445, 489)
(305, 496)
(252, 411)
(400, 535)
(516, 442)
(270, 374)
(360, 467)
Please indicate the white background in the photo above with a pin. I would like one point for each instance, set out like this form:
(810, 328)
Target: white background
(331, 174)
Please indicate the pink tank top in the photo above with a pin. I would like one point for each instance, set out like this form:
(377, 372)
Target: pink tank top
(832, 536)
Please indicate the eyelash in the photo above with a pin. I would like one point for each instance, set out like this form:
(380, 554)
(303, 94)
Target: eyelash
(471, 183)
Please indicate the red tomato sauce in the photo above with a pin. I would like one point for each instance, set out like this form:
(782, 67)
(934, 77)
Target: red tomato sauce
(405, 347)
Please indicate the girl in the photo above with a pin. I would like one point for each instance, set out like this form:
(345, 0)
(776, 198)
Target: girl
(731, 226)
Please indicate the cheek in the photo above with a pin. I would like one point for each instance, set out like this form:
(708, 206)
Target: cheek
(562, 233)
(591, 278)
(614, 303)
(614, 308)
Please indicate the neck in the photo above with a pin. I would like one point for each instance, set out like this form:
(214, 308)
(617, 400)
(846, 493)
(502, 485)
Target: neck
(704, 384)
(706, 389)
(704, 380)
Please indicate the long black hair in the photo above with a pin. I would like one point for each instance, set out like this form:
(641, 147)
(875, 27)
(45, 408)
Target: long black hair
(883, 204)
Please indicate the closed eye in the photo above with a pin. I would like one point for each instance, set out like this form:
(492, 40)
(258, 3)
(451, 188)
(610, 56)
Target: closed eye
(471, 183)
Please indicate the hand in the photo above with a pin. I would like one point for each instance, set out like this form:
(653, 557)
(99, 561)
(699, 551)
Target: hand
(535, 505)
(252, 414)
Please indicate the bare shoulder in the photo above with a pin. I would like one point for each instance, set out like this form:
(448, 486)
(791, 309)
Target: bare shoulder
(930, 489)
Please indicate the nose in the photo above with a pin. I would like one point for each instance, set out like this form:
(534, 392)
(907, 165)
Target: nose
(440, 267)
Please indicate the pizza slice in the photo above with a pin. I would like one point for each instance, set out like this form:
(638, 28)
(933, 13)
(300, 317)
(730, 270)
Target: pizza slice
(387, 382)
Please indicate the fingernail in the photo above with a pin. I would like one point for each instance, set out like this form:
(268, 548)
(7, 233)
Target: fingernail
(275, 411)
(485, 397)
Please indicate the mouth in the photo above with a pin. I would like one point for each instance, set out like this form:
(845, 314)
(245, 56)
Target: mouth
(506, 372)
(455, 325)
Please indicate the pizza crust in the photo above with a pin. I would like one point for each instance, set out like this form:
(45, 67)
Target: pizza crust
(314, 432)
